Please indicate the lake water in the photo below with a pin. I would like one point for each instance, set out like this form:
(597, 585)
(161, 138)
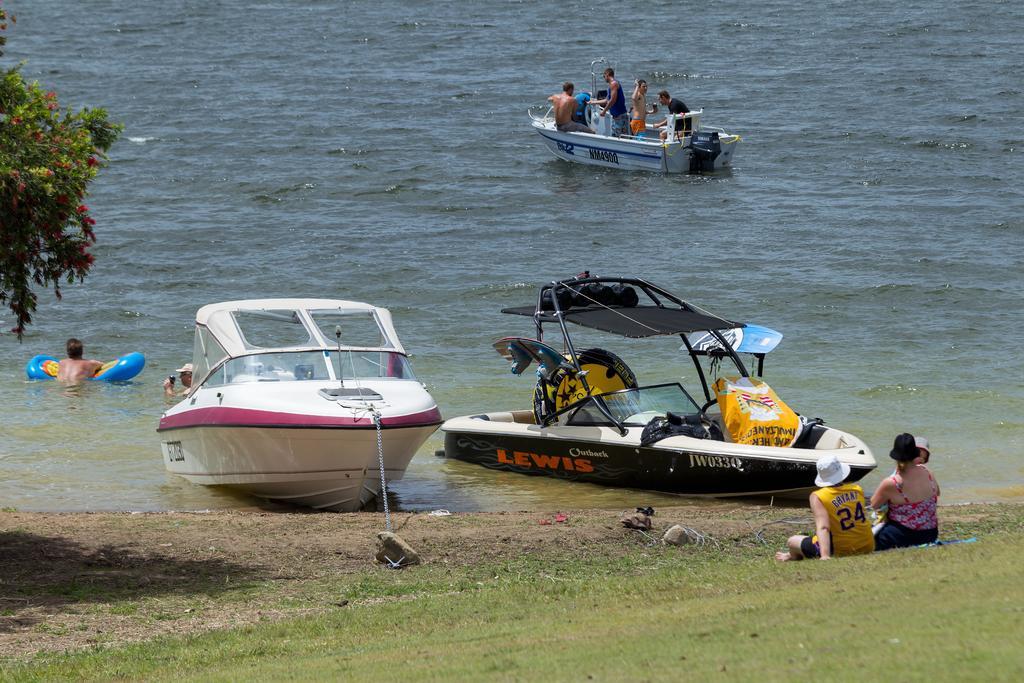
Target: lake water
(381, 152)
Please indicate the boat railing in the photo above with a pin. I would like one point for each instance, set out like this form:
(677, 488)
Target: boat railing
(691, 124)
(535, 113)
(724, 136)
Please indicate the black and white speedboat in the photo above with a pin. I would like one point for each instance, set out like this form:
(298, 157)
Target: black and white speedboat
(592, 422)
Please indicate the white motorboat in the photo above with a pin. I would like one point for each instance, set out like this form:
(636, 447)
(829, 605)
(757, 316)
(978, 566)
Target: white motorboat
(592, 422)
(696, 148)
(298, 400)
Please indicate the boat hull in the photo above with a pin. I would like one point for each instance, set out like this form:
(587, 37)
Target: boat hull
(628, 154)
(326, 468)
(679, 465)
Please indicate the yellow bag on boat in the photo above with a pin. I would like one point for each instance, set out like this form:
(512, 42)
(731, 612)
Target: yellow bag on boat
(754, 414)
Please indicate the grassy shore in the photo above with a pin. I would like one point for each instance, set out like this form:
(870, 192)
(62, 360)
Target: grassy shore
(503, 597)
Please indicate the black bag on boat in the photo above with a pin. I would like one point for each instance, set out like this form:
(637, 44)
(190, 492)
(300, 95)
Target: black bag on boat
(625, 296)
(673, 425)
(594, 294)
(564, 299)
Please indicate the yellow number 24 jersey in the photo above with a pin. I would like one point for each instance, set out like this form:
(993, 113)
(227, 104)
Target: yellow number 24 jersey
(848, 520)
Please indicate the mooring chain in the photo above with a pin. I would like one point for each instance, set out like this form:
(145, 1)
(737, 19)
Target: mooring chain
(383, 481)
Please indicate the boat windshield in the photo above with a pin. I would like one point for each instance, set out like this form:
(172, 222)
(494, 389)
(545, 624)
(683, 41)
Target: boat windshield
(635, 407)
(370, 365)
(290, 366)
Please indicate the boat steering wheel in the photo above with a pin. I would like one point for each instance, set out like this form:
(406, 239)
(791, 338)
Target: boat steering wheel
(703, 413)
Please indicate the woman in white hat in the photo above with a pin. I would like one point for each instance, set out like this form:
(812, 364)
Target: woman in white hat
(840, 517)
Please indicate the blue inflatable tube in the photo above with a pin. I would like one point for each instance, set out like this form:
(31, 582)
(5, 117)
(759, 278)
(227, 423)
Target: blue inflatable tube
(124, 368)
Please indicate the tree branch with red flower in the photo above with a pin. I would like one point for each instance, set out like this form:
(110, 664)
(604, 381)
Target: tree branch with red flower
(48, 157)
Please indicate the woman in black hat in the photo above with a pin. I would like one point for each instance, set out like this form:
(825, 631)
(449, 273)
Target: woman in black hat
(912, 495)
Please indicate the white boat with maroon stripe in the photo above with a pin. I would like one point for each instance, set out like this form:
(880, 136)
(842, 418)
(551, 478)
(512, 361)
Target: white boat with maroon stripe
(297, 400)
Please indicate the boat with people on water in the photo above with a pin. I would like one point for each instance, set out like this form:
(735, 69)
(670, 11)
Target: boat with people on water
(304, 401)
(592, 422)
(689, 147)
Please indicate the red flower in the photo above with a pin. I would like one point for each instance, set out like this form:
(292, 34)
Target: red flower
(82, 208)
(92, 161)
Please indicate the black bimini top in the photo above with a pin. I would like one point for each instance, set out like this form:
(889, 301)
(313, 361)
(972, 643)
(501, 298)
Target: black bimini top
(635, 322)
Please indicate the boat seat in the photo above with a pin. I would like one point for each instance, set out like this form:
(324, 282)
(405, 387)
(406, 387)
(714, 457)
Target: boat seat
(515, 416)
(810, 434)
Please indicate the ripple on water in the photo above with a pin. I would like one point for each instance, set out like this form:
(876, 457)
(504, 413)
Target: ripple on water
(884, 253)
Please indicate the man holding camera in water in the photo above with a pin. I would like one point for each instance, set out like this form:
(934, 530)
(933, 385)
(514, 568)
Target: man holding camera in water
(185, 373)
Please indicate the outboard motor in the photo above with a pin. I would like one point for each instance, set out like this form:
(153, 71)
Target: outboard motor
(704, 148)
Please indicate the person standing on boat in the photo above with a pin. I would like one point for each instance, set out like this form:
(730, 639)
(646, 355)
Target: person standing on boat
(614, 104)
(840, 517)
(675, 106)
(912, 496)
(638, 119)
(565, 105)
(74, 368)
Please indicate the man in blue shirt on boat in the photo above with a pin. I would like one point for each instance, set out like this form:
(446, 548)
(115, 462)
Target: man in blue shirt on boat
(614, 104)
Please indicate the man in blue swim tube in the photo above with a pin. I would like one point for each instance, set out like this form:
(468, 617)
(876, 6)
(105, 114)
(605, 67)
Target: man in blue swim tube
(74, 369)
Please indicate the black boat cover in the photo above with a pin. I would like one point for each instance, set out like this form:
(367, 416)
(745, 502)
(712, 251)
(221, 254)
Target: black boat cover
(636, 322)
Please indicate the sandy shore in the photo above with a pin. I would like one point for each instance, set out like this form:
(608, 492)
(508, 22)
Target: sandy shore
(77, 580)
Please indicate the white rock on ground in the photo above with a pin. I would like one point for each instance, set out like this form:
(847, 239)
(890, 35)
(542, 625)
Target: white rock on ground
(391, 549)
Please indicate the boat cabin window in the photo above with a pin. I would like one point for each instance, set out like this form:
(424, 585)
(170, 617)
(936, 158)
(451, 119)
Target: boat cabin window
(358, 328)
(273, 367)
(271, 329)
(634, 407)
(371, 365)
(206, 353)
(298, 366)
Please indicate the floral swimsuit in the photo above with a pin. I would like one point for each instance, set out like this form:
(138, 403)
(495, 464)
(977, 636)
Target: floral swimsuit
(919, 516)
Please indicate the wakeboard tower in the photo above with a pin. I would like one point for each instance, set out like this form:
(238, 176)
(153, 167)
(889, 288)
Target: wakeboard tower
(591, 421)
